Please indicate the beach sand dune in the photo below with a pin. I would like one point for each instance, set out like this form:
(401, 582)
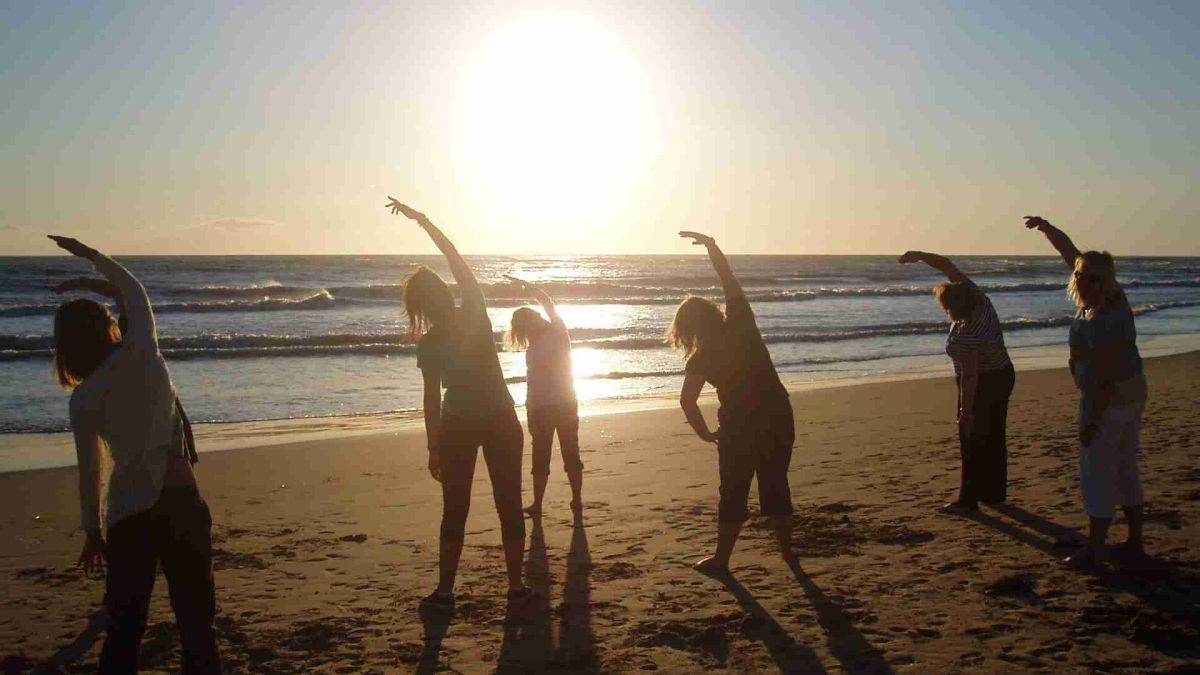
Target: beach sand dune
(322, 549)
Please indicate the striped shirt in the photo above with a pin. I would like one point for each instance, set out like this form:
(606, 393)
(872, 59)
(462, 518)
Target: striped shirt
(980, 333)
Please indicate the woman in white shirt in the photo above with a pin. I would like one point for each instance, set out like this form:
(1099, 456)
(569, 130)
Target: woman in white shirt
(550, 401)
(122, 398)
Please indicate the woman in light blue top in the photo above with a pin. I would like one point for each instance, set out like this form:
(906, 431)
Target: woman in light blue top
(1107, 369)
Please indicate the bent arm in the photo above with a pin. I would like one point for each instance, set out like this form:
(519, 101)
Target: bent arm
(468, 286)
(689, 395)
(1057, 238)
(937, 262)
(132, 301)
(729, 283)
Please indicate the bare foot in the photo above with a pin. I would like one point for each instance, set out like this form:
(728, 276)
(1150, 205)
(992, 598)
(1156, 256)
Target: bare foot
(957, 508)
(789, 556)
(1086, 560)
(711, 566)
(533, 509)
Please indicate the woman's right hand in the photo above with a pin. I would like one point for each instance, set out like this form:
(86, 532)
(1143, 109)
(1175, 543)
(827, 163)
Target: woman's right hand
(73, 246)
(697, 238)
(409, 212)
(92, 556)
(520, 282)
(1036, 222)
(910, 257)
(435, 464)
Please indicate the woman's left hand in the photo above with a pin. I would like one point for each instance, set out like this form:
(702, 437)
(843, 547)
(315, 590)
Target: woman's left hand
(520, 282)
(73, 246)
(697, 238)
(409, 212)
(92, 556)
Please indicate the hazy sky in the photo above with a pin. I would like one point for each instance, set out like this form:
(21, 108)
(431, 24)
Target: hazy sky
(822, 127)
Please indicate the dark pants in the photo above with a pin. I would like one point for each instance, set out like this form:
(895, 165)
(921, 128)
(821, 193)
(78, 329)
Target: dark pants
(985, 451)
(543, 422)
(503, 444)
(760, 444)
(176, 531)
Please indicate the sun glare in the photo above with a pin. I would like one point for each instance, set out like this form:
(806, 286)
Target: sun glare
(553, 114)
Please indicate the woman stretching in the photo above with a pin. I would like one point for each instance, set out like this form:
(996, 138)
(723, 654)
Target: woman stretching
(123, 397)
(1107, 369)
(550, 401)
(458, 350)
(756, 431)
(985, 377)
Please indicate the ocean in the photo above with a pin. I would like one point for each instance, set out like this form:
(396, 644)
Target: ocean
(278, 337)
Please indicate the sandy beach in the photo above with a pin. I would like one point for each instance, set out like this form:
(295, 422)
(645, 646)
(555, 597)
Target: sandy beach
(324, 546)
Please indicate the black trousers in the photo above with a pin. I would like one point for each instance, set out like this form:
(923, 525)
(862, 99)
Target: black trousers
(985, 451)
(503, 443)
(176, 531)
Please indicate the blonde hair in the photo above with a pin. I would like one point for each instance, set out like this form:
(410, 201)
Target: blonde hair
(84, 334)
(695, 321)
(956, 298)
(427, 298)
(526, 324)
(1101, 265)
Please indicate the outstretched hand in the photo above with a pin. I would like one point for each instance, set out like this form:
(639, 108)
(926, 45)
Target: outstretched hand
(1035, 222)
(73, 246)
(910, 257)
(409, 212)
(697, 238)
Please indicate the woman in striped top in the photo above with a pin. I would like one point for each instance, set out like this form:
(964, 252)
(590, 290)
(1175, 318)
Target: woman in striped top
(985, 377)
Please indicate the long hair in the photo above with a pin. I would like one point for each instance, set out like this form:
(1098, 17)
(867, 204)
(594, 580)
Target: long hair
(956, 298)
(1100, 265)
(696, 320)
(84, 334)
(427, 298)
(525, 326)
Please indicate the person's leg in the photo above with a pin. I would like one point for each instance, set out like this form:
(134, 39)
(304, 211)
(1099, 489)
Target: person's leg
(994, 481)
(568, 443)
(1097, 480)
(503, 452)
(541, 432)
(737, 472)
(458, 448)
(968, 490)
(774, 493)
(1129, 479)
(132, 566)
(183, 537)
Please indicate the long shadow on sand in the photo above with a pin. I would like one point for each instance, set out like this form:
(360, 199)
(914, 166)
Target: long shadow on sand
(789, 656)
(437, 623)
(1169, 619)
(847, 644)
(528, 640)
(576, 642)
(92, 633)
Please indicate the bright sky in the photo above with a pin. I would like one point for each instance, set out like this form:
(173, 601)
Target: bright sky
(599, 127)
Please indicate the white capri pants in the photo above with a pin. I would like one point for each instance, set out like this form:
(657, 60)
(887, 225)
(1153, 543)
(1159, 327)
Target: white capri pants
(1108, 467)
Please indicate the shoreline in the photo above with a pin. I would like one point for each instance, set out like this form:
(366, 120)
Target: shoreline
(35, 451)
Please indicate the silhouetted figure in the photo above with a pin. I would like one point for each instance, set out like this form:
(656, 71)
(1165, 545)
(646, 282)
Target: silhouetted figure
(458, 351)
(1107, 369)
(756, 430)
(123, 399)
(984, 376)
(550, 402)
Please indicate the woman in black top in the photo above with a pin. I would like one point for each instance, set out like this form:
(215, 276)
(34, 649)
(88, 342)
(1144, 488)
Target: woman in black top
(458, 351)
(756, 430)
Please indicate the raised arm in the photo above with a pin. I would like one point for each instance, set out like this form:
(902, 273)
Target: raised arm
(937, 262)
(729, 282)
(135, 304)
(1059, 239)
(93, 285)
(538, 294)
(472, 295)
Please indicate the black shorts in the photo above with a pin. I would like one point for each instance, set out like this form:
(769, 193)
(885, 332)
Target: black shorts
(502, 441)
(761, 445)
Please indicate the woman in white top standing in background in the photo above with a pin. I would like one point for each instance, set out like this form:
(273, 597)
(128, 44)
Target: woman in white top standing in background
(550, 402)
(123, 398)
